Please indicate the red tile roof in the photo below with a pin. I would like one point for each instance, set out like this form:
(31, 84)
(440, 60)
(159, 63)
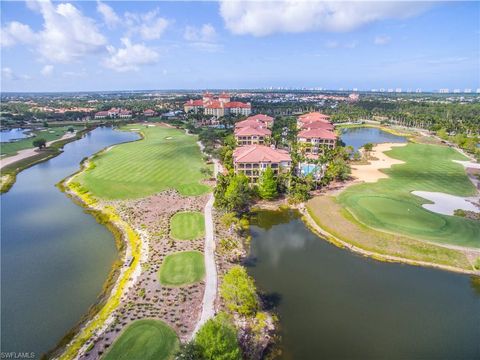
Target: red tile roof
(260, 153)
(261, 117)
(101, 113)
(251, 123)
(194, 103)
(252, 131)
(317, 134)
(237, 104)
(316, 125)
(314, 116)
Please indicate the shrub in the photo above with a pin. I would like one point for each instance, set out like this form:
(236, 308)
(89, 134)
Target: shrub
(239, 292)
(217, 339)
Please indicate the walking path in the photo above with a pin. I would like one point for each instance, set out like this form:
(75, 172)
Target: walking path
(210, 294)
(23, 154)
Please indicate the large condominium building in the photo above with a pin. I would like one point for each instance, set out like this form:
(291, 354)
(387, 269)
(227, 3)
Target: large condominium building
(253, 130)
(252, 135)
(252, 160)
(315, 131)
(219, 106)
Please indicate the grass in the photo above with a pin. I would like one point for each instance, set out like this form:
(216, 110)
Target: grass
(335, 219)
(182, 268)
(166, 158)
(54, 133)
(388, 204)
(108, 215)
(144, 339)
(189, 225)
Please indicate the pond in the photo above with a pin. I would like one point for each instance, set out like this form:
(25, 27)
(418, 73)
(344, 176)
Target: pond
(13, 134)
(333, 304)
(359, 136)
(55, 257)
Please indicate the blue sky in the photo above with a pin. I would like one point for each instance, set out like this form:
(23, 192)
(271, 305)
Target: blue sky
(126, 45)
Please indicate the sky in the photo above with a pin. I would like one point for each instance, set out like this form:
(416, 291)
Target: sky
(149, 45)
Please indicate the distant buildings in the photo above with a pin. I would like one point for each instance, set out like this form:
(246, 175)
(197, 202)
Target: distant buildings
(148, 113)
(218, 106)
(113, 113)
(252, 160)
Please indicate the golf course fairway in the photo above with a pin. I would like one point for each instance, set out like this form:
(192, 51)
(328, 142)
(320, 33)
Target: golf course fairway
(388, 204)
(144, 339)
(182, 268)
(166, 158)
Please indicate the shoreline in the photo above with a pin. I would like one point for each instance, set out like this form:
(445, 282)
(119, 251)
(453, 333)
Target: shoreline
(133, 245)
(10, 169)
(324, 234)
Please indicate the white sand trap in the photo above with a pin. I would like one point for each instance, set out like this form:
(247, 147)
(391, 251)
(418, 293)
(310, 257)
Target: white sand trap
(168, 138)
(150, 125)
(446, 204)
(371, 173)
(468, 164)
(134, 129)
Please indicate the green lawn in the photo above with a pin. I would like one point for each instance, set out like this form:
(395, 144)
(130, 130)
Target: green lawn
(166, 158)
(388, 204)
(188, 225)
(144, 339)
(182, 268)
(52, 133)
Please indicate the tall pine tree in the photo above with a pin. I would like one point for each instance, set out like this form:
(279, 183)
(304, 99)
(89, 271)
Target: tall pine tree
(267, 185)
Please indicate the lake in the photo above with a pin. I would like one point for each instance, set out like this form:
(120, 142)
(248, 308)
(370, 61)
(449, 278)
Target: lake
(359, 136)
(55, 257)
(334, 304)
(12, 134)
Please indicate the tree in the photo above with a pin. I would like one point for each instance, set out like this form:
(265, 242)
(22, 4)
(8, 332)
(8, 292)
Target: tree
(40, 143)
(71, 129)
(442, 134)
(239, 292)
(368, 147)
(217, 339)
(219, 191)
(267, 185)
(237, 194)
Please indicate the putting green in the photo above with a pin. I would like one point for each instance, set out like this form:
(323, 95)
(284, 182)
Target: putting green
(144, 339)
(182, 268)
(153, 164)
(189, 225)
(389, 205)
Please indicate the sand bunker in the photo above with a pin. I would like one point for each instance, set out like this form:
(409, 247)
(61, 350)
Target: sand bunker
(168, 138)
(371, 173)
(446, 204)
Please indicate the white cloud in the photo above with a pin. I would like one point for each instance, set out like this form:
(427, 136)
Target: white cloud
(382, 40)
(109, 15)
(333, 44)
(130, 57)
(260, 18)
(47, 70)
(206, 33)
(16, 32)
(203, 38)
(149, 26)
(9, 74)
(66, 35)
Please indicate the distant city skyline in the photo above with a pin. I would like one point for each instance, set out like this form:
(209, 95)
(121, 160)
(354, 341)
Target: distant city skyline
(107, 46)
